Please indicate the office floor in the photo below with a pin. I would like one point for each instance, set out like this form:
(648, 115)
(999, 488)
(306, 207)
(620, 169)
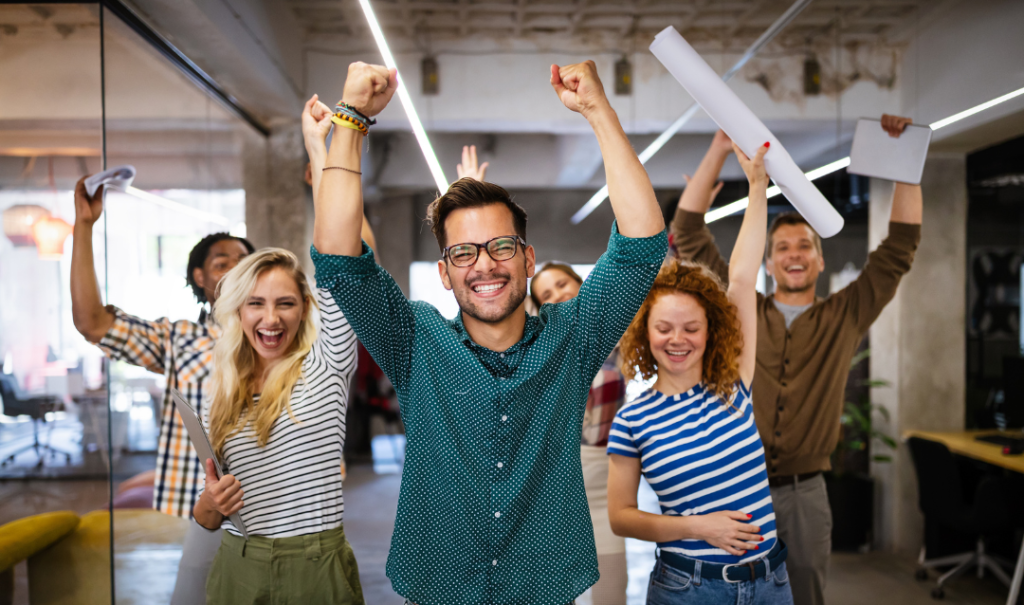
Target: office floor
(146, 577)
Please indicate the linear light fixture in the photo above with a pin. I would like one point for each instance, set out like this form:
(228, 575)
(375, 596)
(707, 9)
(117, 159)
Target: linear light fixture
(403, 95)
(177, 206)
(769, 34)
(817, 173)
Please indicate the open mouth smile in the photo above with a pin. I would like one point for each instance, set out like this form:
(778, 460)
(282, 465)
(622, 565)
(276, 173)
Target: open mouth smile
(489, 289)
(270, 339)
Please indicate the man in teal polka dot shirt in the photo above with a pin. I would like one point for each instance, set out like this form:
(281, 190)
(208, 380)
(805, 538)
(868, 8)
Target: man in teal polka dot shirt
(492, 508)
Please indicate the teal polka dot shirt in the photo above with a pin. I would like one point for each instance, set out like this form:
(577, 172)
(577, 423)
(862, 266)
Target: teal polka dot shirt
(492, 508)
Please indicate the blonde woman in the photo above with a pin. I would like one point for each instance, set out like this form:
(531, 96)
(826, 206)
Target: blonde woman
(277, 420)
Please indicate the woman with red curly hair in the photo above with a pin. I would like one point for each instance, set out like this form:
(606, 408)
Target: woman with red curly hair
(692, 434)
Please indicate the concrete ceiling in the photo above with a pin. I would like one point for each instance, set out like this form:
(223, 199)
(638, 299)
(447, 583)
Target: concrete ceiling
(725, 25)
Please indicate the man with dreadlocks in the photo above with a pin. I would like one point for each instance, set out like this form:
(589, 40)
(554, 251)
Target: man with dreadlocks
(180, 350)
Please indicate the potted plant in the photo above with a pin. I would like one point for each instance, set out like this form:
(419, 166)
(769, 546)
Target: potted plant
(850, 485)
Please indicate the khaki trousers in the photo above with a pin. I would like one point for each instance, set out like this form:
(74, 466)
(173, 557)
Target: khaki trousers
(804, 521)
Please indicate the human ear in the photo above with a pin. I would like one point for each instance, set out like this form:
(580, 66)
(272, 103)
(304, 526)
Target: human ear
(442, 269)
(531, 261)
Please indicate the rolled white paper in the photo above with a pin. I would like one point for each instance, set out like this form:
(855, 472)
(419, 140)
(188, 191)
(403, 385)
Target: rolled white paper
(743, 127)
(120, 177)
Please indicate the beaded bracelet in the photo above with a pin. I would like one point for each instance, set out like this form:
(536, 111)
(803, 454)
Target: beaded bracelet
(343, 105)
(356, 116)
(344, 120)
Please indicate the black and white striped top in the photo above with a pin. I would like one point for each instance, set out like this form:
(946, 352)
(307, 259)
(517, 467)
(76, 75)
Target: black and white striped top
(292, 486)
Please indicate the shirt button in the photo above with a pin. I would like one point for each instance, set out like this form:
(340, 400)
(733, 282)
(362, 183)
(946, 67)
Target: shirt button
(787, 362)
(494, 562)
(783, 384)
(497, 514)
(778, 434)
(780, 408)
(504, 418)
(501, 355)
(501, 464)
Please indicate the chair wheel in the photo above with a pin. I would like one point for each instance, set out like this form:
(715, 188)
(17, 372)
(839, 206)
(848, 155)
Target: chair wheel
(938, 593)
(921, 574)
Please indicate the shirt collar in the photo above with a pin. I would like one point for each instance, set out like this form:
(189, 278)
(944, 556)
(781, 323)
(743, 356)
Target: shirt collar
(530, 331)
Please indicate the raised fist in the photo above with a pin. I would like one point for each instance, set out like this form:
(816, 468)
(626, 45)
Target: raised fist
(579, 88)
(369, 88)
(316, 125)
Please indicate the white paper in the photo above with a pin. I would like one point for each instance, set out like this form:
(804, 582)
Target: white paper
(120, 177)
(749, 133)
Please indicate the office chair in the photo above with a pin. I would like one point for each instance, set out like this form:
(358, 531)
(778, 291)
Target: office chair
(16, 403)
(942, 501)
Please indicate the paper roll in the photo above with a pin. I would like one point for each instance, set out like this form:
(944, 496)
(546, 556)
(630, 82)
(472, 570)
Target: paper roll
(743, 127)
(120, 177)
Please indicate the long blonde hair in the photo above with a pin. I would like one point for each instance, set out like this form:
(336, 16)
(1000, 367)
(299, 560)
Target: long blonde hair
(234, 359)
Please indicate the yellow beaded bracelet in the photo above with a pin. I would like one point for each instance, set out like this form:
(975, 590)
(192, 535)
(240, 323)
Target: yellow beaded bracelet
(347, 124)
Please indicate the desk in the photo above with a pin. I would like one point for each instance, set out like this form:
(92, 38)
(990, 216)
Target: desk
(965, 444)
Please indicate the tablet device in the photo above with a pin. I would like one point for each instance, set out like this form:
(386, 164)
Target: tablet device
(201, 441)
(878, 155)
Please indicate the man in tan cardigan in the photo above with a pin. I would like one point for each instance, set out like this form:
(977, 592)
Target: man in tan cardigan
(804, 348)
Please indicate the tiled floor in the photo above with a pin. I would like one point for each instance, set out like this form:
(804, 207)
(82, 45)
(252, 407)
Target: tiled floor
(370, 505)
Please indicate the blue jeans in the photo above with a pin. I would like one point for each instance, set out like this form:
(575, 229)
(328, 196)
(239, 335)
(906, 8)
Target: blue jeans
(670, 586)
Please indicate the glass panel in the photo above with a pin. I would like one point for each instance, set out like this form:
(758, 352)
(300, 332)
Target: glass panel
(187, 151)
(54, 422)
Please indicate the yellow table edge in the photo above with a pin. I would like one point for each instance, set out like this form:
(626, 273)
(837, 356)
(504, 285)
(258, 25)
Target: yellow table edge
(965, 444)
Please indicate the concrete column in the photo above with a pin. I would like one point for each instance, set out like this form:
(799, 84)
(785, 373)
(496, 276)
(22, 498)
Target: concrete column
(394, 222)
(919, 343)
(277, 209)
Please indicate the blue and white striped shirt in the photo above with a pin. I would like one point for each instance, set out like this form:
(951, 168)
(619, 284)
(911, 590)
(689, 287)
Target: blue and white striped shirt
(700, 456)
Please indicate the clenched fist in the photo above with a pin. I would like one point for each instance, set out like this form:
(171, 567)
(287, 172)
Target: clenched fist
(579, 88)
(369, 88)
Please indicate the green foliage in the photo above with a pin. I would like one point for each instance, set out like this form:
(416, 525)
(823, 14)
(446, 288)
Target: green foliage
(859, 431)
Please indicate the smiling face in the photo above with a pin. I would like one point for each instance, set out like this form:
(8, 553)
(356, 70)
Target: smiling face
(489, 290)
(554, 286)
(223, 257)
(272, 315)
(795, 261)
(677, 328)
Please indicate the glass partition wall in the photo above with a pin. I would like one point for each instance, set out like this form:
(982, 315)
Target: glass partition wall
(80, 432)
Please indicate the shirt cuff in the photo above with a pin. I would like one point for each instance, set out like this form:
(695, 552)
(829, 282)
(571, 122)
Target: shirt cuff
(624, 250)
(330, 267)
(905, 233)
(687, 222)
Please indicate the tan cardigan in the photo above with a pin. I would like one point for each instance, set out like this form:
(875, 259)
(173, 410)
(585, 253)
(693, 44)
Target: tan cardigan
(800, 380)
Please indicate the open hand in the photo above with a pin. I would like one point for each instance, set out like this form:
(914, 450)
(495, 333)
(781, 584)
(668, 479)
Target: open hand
(369, 88)
(87, 209)
(753, 168)
(469, 167)
(894, 125)
(223, 495)
(579, 87)
(316, 125)
(730, 531)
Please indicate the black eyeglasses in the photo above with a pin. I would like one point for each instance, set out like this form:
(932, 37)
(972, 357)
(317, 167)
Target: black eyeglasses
(499, 248)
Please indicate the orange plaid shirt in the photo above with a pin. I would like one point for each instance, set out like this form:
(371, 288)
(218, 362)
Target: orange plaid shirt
(183, 352)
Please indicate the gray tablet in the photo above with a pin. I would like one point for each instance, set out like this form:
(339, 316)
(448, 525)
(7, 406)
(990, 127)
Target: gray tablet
(201, 441)
(877, 154)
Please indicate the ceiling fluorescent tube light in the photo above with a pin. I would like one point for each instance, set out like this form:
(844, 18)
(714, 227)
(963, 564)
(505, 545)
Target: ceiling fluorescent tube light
(177, 206)
(403, 95)
(768, 35)
(740, 205)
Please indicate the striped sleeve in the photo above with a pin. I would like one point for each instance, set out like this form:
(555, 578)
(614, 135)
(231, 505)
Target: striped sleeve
(336, 344)
(620, 438)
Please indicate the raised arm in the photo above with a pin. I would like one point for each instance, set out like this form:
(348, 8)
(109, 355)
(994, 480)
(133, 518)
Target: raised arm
(907, 204)
(701, 189)
(629, 189)
(337, 191)
(91, 318)
(745, 262)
